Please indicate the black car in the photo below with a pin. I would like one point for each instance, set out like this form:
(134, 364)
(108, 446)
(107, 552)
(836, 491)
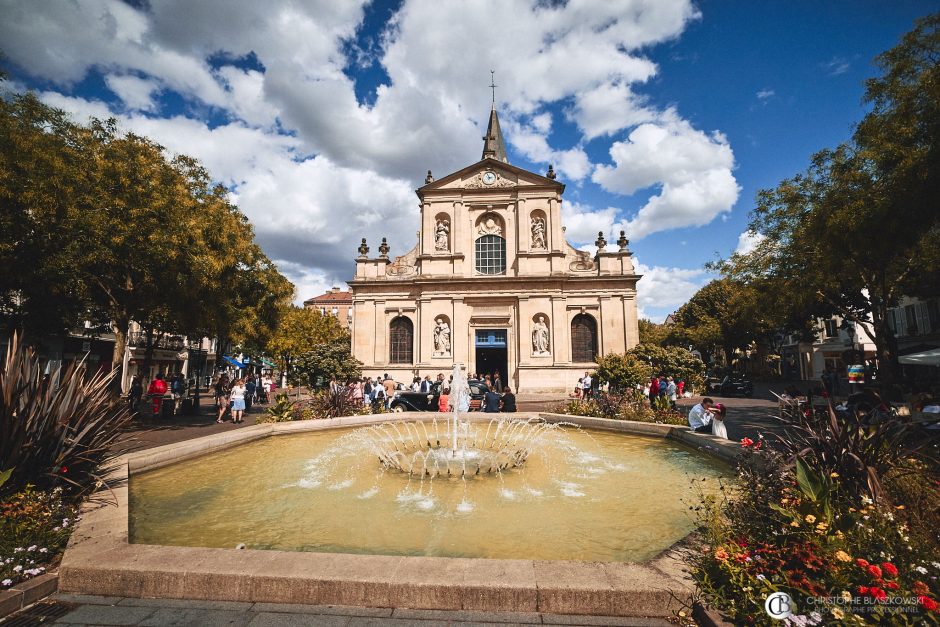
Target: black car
(734, 384)
(406, 400)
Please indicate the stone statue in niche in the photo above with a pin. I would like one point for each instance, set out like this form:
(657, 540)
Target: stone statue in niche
(538, 233)
(441, 338)
(489, 226)
(441, 238)
(540, 341)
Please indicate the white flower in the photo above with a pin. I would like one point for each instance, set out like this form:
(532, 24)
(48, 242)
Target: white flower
(17, 568)
(18, 549)
(921, 570)
(935, 565)
(43, 550)
(32, 548)
(761, 577)
(6, 582)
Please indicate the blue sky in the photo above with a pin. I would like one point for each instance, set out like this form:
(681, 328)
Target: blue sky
(663, 117)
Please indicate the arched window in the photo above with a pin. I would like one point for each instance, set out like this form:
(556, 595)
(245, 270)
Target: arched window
(491, 254)
(401, 335)
(583, 339)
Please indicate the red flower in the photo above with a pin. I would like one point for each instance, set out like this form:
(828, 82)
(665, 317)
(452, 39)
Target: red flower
(861, 563)
(863, 589)
(879, 594)
(758, 445)
(920, 587)
(889, 569)
(746, 442)
(928, 604)
(892, 585)
(63, 469)
(874, 571)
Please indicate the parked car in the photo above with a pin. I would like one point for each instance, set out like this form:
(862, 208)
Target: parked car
(406, 400)
(734, 384)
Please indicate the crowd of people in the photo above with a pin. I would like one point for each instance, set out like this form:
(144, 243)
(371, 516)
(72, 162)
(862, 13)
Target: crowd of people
(238, 395)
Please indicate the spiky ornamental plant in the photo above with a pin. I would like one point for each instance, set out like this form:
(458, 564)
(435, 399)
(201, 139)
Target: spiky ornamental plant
(56, 433)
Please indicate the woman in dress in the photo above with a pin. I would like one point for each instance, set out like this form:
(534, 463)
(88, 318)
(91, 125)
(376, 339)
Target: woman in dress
(237, 398)
(221, 395)
(718, 420)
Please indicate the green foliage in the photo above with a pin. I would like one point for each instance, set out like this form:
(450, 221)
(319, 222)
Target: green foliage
(629, 406)
(281, 410)
(674, 361)
(653, 333)
(623, 371)
(102, 225)
(315, 367)
(330, 404)
(34, 528)
(860, 228)
(4, 476)
(56, 433)
(300, 331)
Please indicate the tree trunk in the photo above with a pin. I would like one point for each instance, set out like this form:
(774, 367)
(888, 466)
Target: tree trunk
(119, 328)
(886, 347)
(148, 350)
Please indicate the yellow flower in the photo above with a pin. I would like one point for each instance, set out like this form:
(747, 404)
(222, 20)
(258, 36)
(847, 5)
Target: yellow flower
(834, 475)
(842, 556)
(837, 613)
(846, 595)
(795, 523)
(899, 507)
(810, 518)
(852, 509)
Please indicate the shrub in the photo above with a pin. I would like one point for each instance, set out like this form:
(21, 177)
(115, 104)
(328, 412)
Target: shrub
(282, 410)
(672, 360)
(56, 433)
(629, 406)
(622, 371)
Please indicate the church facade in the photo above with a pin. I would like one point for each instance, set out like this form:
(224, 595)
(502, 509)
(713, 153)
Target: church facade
(493, 284)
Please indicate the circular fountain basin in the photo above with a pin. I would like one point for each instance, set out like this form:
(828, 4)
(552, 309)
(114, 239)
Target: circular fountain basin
(580, 495)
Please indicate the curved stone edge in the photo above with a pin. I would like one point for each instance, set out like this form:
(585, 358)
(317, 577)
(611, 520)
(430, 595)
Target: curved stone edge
(100, 560)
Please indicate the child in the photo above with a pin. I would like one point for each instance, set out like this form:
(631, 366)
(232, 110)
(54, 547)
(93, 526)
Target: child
(443, 401)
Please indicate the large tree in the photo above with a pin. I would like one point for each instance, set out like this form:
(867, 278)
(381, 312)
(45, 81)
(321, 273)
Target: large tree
(861, 227)
(300, 331)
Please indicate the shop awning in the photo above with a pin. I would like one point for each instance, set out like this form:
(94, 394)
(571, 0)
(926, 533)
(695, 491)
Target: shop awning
(267, 364)
(233, 361)
(928, 357)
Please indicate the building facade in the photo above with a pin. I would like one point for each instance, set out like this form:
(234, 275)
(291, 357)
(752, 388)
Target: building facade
(493, 284)
(336, 303)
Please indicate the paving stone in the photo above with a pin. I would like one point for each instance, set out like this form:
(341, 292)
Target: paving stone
(187, 604)
(469, 615)
(106, 615)
(356, 621)
(179, 617)
(336, 610)
(619, 621)
(85, 599)
(283, 619)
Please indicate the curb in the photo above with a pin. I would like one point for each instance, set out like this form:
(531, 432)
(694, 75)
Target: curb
(28, 592)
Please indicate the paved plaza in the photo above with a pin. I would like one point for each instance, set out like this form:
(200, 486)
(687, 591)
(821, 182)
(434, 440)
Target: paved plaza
(66, 609)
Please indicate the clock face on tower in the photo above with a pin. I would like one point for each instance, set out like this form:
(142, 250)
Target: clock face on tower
(489, 178)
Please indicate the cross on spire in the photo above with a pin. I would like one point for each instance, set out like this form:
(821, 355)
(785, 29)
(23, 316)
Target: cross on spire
(493, 85)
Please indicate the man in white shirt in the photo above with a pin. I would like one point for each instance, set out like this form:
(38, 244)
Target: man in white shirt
(586, 385)
(700, 417)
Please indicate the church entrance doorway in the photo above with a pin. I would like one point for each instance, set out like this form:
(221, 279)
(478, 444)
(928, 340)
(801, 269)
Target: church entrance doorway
(491, 353)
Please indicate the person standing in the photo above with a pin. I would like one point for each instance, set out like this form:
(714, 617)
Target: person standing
(250, 387)
(443, 401)
(491, 401)
(136, 393)
(509, 401)
(671, 391)
(654, 390)
(700, 416)
(156, 391)
(680, 388)
(497, 384)
(237, 399)
(586, 384)
(220, 390)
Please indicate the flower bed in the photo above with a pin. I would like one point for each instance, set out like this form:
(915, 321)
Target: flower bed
(622, 407)
(839, 555)
(34, 529)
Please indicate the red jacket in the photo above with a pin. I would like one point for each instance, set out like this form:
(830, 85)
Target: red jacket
(654, 386)
(157, 387)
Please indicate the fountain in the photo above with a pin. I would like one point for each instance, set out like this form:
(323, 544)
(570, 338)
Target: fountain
(462, 449)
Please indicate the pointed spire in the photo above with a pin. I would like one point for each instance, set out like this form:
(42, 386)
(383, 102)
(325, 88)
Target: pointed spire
(493, 144)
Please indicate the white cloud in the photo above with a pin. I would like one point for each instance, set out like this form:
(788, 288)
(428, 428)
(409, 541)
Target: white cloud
(748, 241)
(764, 94)
(666, 289)
(299, 149)
(692, 168)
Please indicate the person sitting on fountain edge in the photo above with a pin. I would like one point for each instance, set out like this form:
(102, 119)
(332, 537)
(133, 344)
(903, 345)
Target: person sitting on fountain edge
(700, 417)
(509, 400)
(491, 401)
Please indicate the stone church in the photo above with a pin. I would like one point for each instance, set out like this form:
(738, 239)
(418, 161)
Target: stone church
(493, 284)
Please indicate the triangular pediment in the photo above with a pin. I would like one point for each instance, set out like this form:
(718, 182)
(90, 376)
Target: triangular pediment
(474, 177)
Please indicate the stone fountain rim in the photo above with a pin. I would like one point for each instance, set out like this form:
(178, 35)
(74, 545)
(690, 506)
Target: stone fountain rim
(101, 561)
